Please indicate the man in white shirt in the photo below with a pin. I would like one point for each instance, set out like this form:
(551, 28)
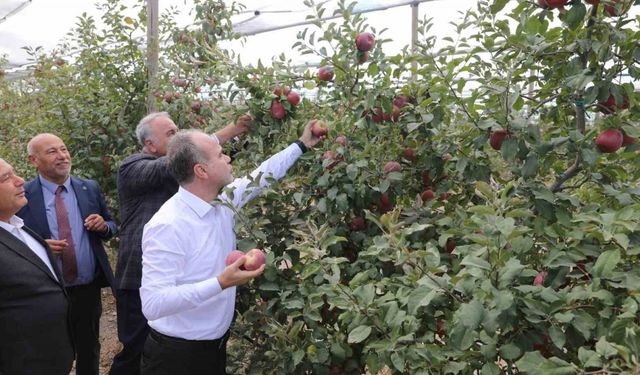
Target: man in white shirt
(188, 295)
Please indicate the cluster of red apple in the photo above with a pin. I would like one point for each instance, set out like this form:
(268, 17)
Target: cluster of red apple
(364, 44)
(378, 115)
(282, 93)
(254, 259)
(611, 7)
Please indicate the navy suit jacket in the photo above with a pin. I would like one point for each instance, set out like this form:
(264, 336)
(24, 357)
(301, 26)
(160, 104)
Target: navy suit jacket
(90, 201)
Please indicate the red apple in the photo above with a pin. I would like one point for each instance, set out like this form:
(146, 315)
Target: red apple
(385, 203)
(357, 223)
(319, 128)
(378, 115)
(181, 82)
(426, 179)
(394, 116)
(443, 197)
(392, 166)
(440, 330)
(365, 41)
(255, 259)
(277, 110)
(609, 141)
(196, 105)
(168, 97)
(293, 98)
(363, 57)
(401, 100)
(450, 246)
(409, 153)
(540, 277)
(280, 90)
(233, 256)
(177, 95)
(329, 155)
(497, 137)
(611, 106)
(552, 4)
(325, 73)
(427, 195)
(341, 140)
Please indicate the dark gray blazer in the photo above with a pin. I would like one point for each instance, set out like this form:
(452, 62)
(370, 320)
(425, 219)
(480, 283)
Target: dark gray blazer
(34, 327)
(144, 184)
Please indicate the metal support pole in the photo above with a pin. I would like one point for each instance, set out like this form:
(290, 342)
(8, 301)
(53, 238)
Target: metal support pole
(414, 38)
(152, 52)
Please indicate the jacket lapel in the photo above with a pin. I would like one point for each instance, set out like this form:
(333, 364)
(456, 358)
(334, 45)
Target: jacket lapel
(81, 190)
(36, 206)
(14, 244)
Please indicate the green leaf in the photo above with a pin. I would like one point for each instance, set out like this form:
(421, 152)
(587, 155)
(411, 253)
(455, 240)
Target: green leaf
(398, 361)
(420, 296)
(575, 16)
(470, 314)
(606, 263)
(530, 167)
(297, 357)
(557, 336)
(497, 6)
(530, 363)
(473, 261)
(359, 334)
(510, 352)
(605, 349)
(491, 369)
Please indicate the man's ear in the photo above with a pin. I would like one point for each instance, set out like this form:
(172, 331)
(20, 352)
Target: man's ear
(148, 144)
(33, 160)
(198, 171)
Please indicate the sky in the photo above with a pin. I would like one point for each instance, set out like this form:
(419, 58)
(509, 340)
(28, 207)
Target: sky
(45, 23)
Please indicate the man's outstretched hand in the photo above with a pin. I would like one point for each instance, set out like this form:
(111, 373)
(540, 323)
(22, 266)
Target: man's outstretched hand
(308, 138)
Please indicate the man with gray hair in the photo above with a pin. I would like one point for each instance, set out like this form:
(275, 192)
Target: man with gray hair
(187, 292)
(144, 184)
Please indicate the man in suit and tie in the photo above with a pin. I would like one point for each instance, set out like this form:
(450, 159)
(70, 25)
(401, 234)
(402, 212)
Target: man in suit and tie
(34, 332)
(70, 213)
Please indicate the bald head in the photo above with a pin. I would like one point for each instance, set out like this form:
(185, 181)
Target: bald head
(48, 153)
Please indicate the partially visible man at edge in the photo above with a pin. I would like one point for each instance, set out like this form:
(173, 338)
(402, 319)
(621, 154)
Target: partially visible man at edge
(144, 184)
(35, 336)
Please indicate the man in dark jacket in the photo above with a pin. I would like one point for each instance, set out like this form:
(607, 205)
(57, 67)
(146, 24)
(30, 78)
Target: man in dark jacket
(70, 213)
(144, 184)
(34, 332)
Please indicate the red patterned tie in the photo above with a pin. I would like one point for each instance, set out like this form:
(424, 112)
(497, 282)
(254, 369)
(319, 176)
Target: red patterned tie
(69, 264)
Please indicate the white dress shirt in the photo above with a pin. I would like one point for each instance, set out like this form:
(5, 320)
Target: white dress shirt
(184, 247)
(14, 226)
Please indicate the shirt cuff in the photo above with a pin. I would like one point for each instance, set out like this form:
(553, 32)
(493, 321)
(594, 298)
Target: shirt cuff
(215, 138)
(208, 288)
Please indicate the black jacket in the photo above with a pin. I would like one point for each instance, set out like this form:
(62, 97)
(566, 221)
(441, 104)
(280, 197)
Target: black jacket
(34, 328)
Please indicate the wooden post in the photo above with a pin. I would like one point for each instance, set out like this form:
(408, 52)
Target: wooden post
(152, 52)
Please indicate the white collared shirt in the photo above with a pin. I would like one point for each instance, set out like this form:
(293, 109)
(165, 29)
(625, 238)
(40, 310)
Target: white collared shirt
(14, 226)
(184, 247)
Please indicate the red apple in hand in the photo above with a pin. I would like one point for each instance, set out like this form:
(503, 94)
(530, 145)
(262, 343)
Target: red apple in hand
(325, 73)
(293, 98)
(319, 128)
(365, 41)
(609, 141)
(277, 111)
(233, 256)
(255, 259)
